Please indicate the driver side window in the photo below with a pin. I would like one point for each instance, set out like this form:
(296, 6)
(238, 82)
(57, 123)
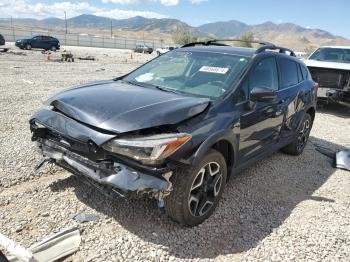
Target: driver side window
(264, 75)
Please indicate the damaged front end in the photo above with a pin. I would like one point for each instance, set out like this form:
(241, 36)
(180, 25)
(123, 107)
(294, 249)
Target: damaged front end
(334, 84)
(80, 149)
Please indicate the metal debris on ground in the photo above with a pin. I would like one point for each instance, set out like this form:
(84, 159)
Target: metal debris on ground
(15, 249)
(82, 218)
(89, 57)
(340, 159)
(52, 248)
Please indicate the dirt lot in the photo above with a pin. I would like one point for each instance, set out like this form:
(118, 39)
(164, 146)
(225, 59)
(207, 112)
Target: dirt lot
(283, 208)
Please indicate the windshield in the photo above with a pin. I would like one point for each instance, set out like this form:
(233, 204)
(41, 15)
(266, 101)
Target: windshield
(196, 73)
(332, 55)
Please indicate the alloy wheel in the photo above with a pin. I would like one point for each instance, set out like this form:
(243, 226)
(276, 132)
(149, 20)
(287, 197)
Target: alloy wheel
(205, 189)
(303, 134)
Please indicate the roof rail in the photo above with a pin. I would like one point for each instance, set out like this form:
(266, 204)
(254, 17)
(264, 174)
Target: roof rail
(216, 42)
(265, 45)
(282, 50)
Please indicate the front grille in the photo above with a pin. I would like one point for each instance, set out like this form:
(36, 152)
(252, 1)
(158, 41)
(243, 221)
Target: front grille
(330, 78)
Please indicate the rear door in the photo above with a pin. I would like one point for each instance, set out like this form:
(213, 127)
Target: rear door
(36, 41)
(46, 42)
(291, 94)
(261, 121)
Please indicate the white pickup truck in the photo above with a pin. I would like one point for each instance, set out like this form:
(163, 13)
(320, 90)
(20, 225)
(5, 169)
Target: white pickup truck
(164, 50)
(330, 68)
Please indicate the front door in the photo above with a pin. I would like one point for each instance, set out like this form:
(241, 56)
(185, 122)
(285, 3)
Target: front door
(260, 122)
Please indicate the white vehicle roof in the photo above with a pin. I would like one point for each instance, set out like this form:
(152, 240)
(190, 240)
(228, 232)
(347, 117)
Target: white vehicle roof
(335, 46)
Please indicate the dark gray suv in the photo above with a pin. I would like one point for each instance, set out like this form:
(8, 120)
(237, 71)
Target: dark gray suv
(178, 127)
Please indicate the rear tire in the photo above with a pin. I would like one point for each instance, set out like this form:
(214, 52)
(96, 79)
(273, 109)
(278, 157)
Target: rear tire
(197, 190)
(28, 46)
(297, 146)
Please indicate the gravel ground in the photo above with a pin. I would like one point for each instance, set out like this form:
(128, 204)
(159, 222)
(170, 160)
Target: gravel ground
(283, 208)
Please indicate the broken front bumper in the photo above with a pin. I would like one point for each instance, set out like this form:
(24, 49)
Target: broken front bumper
(121, 178)
(77, 148)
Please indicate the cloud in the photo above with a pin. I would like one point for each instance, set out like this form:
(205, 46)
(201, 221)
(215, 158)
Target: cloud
(22, 9)
(130, 2)
(198, 2)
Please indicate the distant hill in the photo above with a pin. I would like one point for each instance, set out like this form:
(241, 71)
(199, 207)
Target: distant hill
(286, 34)
(225, 29)
(138, 23)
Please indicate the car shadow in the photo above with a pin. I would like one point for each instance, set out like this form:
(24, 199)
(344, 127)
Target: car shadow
(255, 202)
(340, 110)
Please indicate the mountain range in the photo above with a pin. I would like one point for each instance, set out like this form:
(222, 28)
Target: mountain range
(286, 34)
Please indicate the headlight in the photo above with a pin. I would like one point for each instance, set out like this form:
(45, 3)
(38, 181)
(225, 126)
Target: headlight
(148, 149)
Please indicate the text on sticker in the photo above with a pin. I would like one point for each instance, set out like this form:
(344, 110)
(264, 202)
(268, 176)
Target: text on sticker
(214, 69)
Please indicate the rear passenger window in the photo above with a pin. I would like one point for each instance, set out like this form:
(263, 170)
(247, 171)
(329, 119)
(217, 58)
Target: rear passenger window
(289, 72)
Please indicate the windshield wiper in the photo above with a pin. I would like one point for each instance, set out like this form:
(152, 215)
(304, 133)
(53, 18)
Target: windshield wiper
(150, 85)
(133, 83)
(164, 89)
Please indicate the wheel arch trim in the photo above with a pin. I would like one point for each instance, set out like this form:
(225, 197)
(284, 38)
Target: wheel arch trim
(223, 135)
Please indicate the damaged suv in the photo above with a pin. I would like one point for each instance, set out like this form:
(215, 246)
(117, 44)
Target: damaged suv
(179, 126)
(330, 68)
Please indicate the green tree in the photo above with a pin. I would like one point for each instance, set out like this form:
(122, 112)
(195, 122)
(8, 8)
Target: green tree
(184, 37)
(210, 37)
(308, 50)
(247, 37)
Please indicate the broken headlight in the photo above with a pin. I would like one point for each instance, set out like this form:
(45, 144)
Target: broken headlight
(147, 149)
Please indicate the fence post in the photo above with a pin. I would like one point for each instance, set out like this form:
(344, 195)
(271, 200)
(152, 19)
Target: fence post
(125, 43)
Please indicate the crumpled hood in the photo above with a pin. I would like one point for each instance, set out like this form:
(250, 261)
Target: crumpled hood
(325, 64)
(120, 107)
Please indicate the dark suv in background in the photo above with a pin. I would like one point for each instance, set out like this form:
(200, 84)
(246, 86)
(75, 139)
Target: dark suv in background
(143, 49)
(179, 126)
(40, 41)
(2, 40)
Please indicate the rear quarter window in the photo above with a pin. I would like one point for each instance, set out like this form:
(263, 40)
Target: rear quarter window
(289, 72)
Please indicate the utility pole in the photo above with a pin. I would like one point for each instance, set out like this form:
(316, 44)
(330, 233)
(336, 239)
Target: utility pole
(65, 19)
(111, 28)
(13, 30)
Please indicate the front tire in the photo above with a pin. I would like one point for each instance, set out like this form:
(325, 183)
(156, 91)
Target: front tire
(28, 46)
(53, 48)
(197, 190)
(297, 146)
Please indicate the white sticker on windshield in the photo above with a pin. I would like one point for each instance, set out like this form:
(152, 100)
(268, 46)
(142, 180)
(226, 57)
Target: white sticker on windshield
(145, 77)
(214, 69)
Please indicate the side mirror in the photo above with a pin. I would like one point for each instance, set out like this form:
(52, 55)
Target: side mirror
(262, 94)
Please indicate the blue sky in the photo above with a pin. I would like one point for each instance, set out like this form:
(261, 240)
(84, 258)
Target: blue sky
(333, 16)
